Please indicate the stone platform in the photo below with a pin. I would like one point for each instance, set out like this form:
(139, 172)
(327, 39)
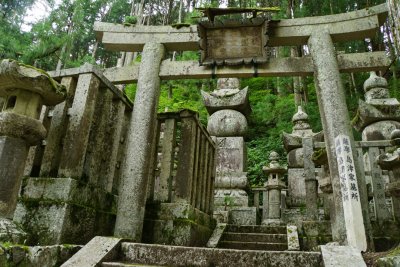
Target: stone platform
(176, 224)
(63, 210)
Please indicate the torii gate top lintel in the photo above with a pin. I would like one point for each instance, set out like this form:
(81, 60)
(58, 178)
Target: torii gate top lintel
(349, 26)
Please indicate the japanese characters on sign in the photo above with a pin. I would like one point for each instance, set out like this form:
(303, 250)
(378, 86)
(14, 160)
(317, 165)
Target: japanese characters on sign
(347, 172)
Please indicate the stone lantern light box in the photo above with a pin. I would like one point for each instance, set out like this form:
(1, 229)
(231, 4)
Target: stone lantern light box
(233, 42)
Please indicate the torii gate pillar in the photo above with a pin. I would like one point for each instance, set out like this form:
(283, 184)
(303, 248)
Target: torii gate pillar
(134, 177)
(347, 220)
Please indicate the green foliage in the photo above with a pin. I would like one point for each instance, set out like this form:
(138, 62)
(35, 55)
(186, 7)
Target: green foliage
(131, 20)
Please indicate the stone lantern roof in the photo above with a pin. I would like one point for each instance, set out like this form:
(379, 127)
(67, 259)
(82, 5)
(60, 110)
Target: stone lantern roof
(274, 165)
(16, 76)
(301, 129)
(227, 96)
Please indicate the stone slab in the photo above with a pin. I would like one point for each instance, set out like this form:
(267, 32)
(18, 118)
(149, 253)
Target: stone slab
(293, 238)
(334, 256)
(231, 154)
(298, 66)
(216, 235)
(185, 256)
(62, 210)
(97, 250)
(176, 224)
(296, 187)
(243, 216)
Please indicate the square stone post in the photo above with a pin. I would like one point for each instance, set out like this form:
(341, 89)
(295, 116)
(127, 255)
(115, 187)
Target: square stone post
(335, 121)
(134, 175)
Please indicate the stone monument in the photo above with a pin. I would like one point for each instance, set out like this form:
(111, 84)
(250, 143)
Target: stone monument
(228, 107)
(293, 145)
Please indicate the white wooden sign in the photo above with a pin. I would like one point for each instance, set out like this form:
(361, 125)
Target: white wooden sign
(350, 195)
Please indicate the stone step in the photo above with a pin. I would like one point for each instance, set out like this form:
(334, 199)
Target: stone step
(122, 264)
(256, 229)
(255, 237)
(163, 255)
(253, 245)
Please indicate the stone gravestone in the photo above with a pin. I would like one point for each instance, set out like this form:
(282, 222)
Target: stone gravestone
(350, 195)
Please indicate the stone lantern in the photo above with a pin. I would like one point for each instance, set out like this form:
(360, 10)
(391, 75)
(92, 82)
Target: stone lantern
(25, 90)
(274, 185)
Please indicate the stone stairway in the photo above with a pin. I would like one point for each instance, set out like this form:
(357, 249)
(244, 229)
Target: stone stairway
(254, 237)
(139, 254)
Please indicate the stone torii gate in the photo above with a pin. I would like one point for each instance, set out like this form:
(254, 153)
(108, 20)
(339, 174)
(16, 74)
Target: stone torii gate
(319, 33)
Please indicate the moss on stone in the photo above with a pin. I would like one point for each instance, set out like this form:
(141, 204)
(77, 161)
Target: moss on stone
(356, 118)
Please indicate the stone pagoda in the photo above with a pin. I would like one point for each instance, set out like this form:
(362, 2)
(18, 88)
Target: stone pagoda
(228, 107)
(294, 148)
(379, 114)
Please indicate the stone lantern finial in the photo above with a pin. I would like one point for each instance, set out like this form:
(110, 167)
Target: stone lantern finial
(301, 126)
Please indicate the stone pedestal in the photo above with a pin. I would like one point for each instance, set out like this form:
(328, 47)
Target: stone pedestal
(26, 89)
(177, 224)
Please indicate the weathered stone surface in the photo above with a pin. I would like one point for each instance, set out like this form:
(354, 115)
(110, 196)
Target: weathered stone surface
(37, 256)
(348, 26)
(296, 187)
(230, 99)
(368, 114)
(77, 135)
(232, 180)
(243, 216)
(341, 256)
(13, 153)
(184, 256)
(394, 9)
(227, 123)
(177, 224)
(231, 155)
(380, 130)
(230, 198)
(292, 238)
(216, 235)
(59, 118)
(335, 118)
(289, 66)
(62, 210)
(295, 158)
(10, 232)
(28, 129)
(134, 176)
(93, 253)
(14, 75)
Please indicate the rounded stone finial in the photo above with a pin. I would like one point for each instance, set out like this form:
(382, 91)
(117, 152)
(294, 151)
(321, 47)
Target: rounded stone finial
(273, 156)
(374, 81)
(300, 115)
(395, 134)
(228, 83)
